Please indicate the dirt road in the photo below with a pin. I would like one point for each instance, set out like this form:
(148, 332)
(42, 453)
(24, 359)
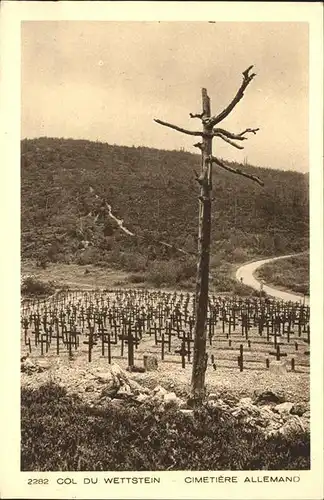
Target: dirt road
(246, 272)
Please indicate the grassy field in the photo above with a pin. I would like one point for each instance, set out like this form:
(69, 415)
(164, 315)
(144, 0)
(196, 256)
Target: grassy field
(288, 274)
(161, 275)
(75, 276)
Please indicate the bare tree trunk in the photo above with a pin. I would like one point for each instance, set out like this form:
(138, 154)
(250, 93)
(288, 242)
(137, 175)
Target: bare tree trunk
(209, 131)
(199, 354)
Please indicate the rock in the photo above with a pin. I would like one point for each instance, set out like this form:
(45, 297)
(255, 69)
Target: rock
(159, 391)
(230, 400)
(43, 365)
(213, 396)
(186, 412)
(141, 398)
(268, 415)
(283, 408)
(150, 362)
(105, 377)
(292, 428)
(278, 366)
(307, 415)
(245, 412)
(110, 390)
(170, 399)
(245, 401)
(27, 366)
(136, 387)
(299, 408)
(118, 372)
(264, 397)
(117, 402)
(124, 392)
(306, 423)
(219, 404)
(89, 388)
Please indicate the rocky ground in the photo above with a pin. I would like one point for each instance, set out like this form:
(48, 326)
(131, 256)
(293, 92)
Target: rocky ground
(251, 397)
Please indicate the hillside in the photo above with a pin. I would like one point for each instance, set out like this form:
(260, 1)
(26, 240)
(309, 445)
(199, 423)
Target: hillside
(155, 193)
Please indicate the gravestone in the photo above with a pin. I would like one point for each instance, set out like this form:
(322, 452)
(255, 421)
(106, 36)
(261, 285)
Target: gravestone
(150, 362)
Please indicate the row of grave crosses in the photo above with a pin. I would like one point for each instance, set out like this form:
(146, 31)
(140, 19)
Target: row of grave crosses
(127, 324)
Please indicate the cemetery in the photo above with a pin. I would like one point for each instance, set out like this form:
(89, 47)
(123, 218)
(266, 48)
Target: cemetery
(139, 325)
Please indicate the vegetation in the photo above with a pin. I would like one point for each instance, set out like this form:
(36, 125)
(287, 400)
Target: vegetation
(59, 432)
(34, 287)
(292, 273)
(155, 193)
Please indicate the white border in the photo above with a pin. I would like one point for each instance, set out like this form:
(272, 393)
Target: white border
(12, 481)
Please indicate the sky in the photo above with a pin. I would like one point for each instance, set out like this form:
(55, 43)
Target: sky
(107, 81)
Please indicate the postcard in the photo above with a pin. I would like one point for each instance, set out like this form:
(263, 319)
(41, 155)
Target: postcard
(162, 250)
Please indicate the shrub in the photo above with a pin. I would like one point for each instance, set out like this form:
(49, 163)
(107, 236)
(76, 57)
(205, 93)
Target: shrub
(243, 290)
(171, 272)
(32, 286)
(137, 278)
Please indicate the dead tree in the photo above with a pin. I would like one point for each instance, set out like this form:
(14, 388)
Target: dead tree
(209, 131)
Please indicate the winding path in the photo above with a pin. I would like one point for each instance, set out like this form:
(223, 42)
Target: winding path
(246, 272)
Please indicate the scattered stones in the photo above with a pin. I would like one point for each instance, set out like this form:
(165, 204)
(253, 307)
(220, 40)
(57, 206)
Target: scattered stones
(267, 410)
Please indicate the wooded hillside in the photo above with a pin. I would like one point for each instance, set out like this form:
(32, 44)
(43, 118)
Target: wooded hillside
(155, 193)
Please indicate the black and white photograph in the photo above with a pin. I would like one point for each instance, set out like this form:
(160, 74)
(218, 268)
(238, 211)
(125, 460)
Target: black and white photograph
(169, 218)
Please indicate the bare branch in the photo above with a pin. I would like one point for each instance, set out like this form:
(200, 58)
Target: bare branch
(179, 129)
(230, 135)
(199, 145)
(246, 80)
(238, 171)
(228, 140)
(252, 130)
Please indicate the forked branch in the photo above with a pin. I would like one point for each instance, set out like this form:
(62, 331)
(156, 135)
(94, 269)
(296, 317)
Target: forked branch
(247, 78)
(238, 171)
(179, 129)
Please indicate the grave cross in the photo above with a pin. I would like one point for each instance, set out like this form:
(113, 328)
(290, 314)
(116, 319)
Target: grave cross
(183, 352)
(277, 353)
(90, 342)
(44, 340)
